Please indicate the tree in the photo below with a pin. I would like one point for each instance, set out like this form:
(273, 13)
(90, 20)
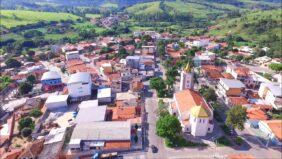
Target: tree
(31, 79)
(168, 126)
(25, 88)
(277, 67)
(122, 52)
(12, 63)
(236, 117)
(209, 94)
(26, 122)
(157, 83)
(35, 113)
(25, 132)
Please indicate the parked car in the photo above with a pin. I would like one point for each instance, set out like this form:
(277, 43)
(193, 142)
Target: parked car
(154, 149)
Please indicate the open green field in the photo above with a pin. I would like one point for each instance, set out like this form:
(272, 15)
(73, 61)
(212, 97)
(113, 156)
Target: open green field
(13, 18)
(245, 25)
(93, 16)
(109, 5)
(145, 8)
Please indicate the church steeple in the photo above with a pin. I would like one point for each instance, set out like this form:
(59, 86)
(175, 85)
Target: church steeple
(187, 68)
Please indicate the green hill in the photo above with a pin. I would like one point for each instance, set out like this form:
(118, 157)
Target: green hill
(261, 28)
(13, 18)
(198, 9)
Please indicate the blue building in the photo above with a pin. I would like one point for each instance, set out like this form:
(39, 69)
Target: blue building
(51, 80)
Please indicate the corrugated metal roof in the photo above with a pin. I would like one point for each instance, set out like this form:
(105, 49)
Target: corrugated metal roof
(80, 77)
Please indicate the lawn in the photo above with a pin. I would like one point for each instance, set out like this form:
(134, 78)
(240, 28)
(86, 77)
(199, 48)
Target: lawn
(13, 18)
(110, 5)
(179, 141)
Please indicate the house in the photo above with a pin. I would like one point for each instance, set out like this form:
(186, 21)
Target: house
(112, 135)
(79, 86)
(230, 87)
(201, 42)
(133, 61)
(148, 50)
(32, 150)
(262, 61)
(53, 144)
(123, 113)
(106, 68)
(237, 101)
(273, 130)
(255, 115)
(10, 154)
(7, 131)
(72, 55)
(193, 112)
(89, 111)
(57, 101)
(272, 94)
(127, 99)
(51, 80)
(104, 95)
(32, 103)
(204, 58)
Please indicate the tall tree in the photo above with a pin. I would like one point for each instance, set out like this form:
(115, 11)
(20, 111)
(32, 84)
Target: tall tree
(168, 126)
(236, 117)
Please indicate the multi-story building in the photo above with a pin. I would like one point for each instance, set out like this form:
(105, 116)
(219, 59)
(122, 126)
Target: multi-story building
(272, 94)
(79, 86)
(230, 87)
(51, 80)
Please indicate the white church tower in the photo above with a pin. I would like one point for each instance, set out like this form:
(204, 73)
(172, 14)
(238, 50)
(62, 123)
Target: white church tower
(187, 78)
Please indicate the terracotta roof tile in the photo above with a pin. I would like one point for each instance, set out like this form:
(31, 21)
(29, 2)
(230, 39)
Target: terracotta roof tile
(237, 101)
(187, 99)
(276, 127)
(227, 75)
(117, 145)
(123, 113)
(256, 113)
(240, 156)
(33, 149)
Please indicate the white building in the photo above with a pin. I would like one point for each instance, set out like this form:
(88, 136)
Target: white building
(56, 102)
(201, 43)
(193, 112)
(229, 87)
(72, 55)
(89, 111)
(79, 85)
(272, 94)
(205, 58)
(187, 78)
(104, 95)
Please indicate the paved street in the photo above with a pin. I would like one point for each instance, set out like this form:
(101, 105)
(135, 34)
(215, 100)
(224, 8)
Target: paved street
(253, 146)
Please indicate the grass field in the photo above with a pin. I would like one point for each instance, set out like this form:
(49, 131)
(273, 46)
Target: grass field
(236, 25)
(145, 8)
(93, 16)
(13, 18)
(109, 5)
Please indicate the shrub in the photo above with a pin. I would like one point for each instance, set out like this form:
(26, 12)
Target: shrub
(239, 141)
(25, 132)
(226, 129)
(26, 122)
(223, 141)
(35, 113)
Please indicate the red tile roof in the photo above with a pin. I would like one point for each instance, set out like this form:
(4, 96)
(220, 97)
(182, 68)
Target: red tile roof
(187, 99)
(276, 127)
(227, 75)
(123, 113)
(240, 156)
(256, 113)
(237, 101)
(33, 149)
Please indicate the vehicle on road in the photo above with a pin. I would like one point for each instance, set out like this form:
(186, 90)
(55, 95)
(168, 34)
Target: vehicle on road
(154, 149)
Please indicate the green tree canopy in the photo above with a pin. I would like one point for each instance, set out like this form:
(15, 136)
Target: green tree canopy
(31, 79)
(35, 113)
(12, 63)
(168, 126)
(277, 67)
(25, 88)
(157, 83)
(25, 132)
(236, 117)
(26, 122)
